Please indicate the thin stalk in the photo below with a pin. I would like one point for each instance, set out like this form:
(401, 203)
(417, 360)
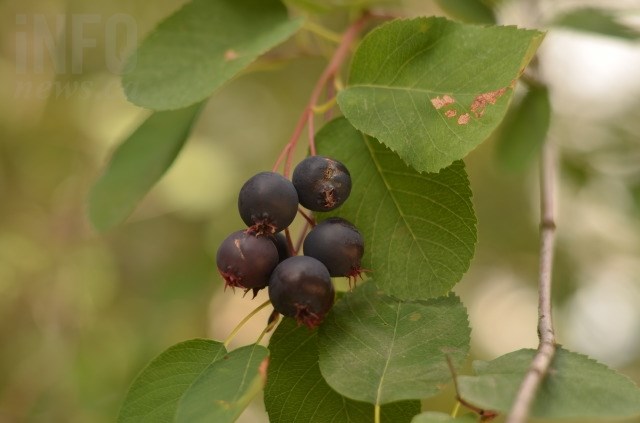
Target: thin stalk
(325, 107)
(264, 331)
(243, 322)
(547, 346)
(306, 118)
(455, 410)
(308, 218)
(305, 229)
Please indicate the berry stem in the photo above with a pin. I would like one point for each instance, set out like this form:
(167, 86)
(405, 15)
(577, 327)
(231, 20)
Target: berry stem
(330, 93)
(312, 132)
(243, 322)
(287, 234)
(281, 157)
(264, 331)
(308, 218)
(307, 116)
(305, 229)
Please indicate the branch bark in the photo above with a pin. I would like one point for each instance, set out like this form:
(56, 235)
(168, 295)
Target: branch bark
(547, 345)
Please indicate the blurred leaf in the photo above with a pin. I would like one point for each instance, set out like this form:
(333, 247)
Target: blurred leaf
(598, 21)
(324, 6)
(635, 193)
(432, 89)
(494, 4)
(137, 164)
(154, 394)
(377, 349)
(419, 229)
(296, 391)
(225, 388)
(201, 46)
(435, 417)
(524, 130)
(576, 169)
(575, 387)
(472, 11)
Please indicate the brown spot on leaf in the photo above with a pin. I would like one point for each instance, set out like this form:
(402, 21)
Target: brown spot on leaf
(415, 317)
(440, 102)
(464, 119)
(230, 55)
(450, 113)
(482, 100)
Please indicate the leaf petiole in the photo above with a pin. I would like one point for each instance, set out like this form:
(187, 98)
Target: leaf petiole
(338, 84)
(264, 331)
(456, 407)
(243, 322)
(325, 107)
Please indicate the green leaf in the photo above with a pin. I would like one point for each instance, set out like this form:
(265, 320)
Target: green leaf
(154, 394)
(472, 11)
(137, 164)
(377, 349)
(575, 387)
(225, 388)
(435, 417)
(200, 47)
(598, 21)
(432, 89)
(419, 229)
(524, 130)
(296, 391)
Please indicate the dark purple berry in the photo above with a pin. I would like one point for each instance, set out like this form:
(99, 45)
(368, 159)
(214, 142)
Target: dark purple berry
(280, 241)
(301, 287)
(268, 203)
(322, 183)
(338, 245)
(246, 261)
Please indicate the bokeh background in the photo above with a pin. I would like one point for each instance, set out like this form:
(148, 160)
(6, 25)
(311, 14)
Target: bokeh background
(81, 313)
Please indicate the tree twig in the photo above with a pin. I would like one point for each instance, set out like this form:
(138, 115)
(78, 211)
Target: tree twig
(306, 119)
(547, 345)
(485, 415)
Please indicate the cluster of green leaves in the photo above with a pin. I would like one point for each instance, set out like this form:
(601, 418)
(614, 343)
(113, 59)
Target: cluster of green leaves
(421, 94)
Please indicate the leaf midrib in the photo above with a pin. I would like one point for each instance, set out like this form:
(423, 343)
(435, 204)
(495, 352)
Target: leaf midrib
(215, 359)
(386, 364)
(393, 198)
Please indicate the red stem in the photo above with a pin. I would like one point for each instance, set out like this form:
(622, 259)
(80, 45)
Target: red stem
(308, 218)
(312, 132)
(336, 61)
(331, 92)
(287, 234)
(305, 229)
(281, 157)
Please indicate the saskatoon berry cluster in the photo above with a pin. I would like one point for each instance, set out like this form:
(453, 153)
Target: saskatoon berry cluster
(259, 256)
